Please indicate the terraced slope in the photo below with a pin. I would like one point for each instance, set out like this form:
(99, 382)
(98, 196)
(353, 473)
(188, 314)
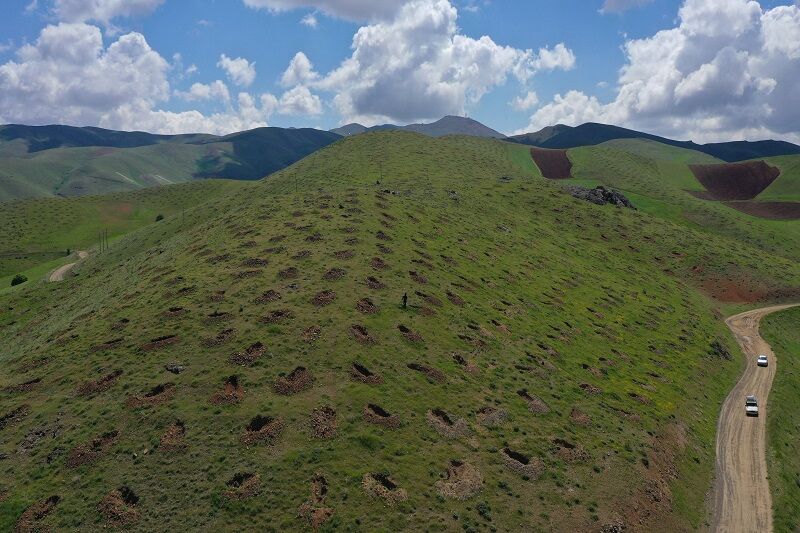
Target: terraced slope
(252, 366)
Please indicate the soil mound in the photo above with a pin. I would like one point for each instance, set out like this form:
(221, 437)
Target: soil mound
(173, 439)
(375, 283)
(362, 374)
(157, 395)
(462, 481)
(361, 335)
(269, 296)
(768, 210)
(366, 306)
(469, 366)
(379, 485)
(344, 254)
(277, 316)
(579, 418)
(735, 181)
(289, 273)
(334, 274)
(375, 414)
(262, 429)
(23, 387)
(222, 337)
(324, 298)
(160, 342)
(554, 164)
(311, 334)
(89, 452)
(218, 316)
(174, 312)
(491, 416)
(231, 393)
(243, 486)
(433, 374)
(569, 452)
(119, 507)
(29, 521)
(408, 334)
(446, 426)
(99, 385)
(419, 278)
(522, 464)
(313, 509)
(535, 404)
(323, 422)
(298, 380)
(455, 299)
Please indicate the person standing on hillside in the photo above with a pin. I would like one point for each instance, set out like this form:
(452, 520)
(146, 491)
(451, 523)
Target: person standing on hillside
(405, 300)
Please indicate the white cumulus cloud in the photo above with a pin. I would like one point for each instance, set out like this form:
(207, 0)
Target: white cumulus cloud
(355, 10)
(618, 6)
(102, 10)
(240, 71)
(300, 71)
(300, 101)
(216, 90)
(729, 68)
(525, 102)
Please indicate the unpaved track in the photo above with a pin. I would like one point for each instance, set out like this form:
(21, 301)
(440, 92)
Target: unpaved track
(59, 273)
(742, 501)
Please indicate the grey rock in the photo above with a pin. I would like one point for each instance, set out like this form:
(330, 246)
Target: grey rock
(601, 196)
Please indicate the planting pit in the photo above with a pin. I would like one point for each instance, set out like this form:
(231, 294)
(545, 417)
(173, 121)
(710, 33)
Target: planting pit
(362, 374)
(119, 507)
(378, 264)
(222, 337)
(535, 404)
(174, 312)
(269, 296)
(455, 299)
(379, 485)
(255, 262)
(218, 316)
(108, 345)
(323, 422)
(491, 416)
(100, 385)
(430, 299)
(448, 428)
(419, 278)
(520, 463)
(311, 334)
(89, 452)
(375, 284)
(173, 439)
(31, 518)
(469, 366)
(462, 481)
(243, 486)
(289, 273)
(302, 254)
(298, 380)
(375, 414)
(313, 509)
(382, 248)
(569, 452)
(334, 274)
(579, 418)
(23, 387)
(156, 396)
(361, 335)
(433, 374)
(344, 254)
(366, 306)
(160, 342)
(232, 392)
(408, 334)
(324, 298)
(277, 316)
(248, 356)
(262, 429)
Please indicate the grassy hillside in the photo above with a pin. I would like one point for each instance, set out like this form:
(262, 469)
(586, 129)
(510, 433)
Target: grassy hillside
(41, 230)
(561, 340)
(657, 178)
(783, 426)
(787, 186)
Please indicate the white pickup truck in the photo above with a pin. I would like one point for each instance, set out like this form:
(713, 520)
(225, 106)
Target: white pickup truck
(762, 360)
(751, 406)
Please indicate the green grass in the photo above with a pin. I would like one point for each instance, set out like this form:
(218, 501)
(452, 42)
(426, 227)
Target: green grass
(558, 293)
(787, 186)
(782, 331)
(41, 230)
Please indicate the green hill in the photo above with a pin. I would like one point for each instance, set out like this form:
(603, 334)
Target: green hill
(538, 379)
(67, 161)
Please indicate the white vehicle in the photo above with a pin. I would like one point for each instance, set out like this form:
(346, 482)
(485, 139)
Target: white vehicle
(762, 360)
(751, 406)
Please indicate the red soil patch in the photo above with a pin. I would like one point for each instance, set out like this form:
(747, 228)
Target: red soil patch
(262, 429)
(535, 404)
(530, 467)
(277, 316)
(361, 335)
(554, 164)
(298, 380)
(362, 374)
(324, 298)
(269, 296)
(768, 210)
(160, 342)
(157, 395)
(735, 181)
(119, 506)
(99, 385)
(375, 414)
(173, 439)
(248, 356)
(243, 486)
(334, 274)
(29, 521)
(108, 345)
(231, 393)
(378, 264)
(222, 337)
(433, 374)
(366, 306)
(323, 422)
(89, 452)
(375, 284)
(23, 387)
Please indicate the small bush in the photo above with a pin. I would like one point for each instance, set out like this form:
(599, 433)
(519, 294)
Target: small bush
(159, 218)
(19, 279)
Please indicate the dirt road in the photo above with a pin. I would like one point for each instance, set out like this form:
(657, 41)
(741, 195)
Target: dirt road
(742, 501)
(59, 273)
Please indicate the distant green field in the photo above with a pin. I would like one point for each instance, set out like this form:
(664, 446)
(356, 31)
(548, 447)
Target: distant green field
(42, 230)
(782, 331)
(513, 285)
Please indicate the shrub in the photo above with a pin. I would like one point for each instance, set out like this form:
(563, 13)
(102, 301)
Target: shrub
(19, 279)
(159, 218)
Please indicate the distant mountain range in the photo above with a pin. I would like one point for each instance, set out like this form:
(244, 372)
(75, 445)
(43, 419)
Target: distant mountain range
(565, 137)
(449, 125)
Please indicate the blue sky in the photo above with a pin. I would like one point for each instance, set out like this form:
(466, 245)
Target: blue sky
(173, 45)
